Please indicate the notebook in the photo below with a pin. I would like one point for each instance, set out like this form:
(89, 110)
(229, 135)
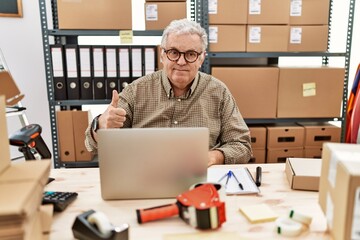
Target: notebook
(139, 163)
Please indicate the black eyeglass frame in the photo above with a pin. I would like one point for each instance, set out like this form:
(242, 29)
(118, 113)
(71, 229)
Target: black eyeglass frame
(184, 53)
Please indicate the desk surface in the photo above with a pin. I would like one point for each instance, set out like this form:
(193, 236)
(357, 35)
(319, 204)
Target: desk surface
(275, 192)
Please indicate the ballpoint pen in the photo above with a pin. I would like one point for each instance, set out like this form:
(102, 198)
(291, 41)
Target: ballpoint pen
(240, 185)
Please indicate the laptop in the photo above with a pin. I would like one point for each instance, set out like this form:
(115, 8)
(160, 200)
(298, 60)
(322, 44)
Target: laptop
(145, 163)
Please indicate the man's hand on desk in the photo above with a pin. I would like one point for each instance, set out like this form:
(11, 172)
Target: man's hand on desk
(215, 157)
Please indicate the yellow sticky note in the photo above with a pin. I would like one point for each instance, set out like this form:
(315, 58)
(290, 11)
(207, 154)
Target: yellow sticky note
(258, 213)
(309, 89)
(126, 36)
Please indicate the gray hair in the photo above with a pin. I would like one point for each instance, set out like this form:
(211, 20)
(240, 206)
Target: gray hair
(185, 26)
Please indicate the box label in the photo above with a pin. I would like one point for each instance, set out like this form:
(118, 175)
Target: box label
(151, 12)
(213, 34)
(309, 89)
(255, 7)
(255, 35)
(355, 229)
(329, 210)
(295, 35)
(213, 5)
(295, 8)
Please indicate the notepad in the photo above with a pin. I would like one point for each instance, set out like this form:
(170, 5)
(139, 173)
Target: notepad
(258, 213)
(231, 184)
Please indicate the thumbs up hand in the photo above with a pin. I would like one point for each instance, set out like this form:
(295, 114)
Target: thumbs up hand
(114, 116)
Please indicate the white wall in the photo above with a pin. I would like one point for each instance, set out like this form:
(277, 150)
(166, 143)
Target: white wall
(21, 43)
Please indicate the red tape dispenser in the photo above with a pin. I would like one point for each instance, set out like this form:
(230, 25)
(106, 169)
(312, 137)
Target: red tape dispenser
(200, 207)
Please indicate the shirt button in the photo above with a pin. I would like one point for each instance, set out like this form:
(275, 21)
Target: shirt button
(179, 100)
(175, 122)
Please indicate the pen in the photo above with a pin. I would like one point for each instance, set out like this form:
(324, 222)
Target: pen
(226, 174)
(258, 176)
(229, 176)
(240, 185)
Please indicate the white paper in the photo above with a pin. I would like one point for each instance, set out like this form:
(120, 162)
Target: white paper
(295, 35)
(110, 62)
(98, 55)
(57, 63)
(295, 8)
(255, 35)
(255, 7)
(71, 65)
(213, 34)
(85, 69)
(213, 6)
(151, 12)
(124, 62)
(149, 60)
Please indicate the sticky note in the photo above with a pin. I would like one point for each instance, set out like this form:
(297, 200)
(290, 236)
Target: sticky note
(309, 89)
(126, 37)
(258, 213)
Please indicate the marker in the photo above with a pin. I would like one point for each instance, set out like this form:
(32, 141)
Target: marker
(258, 176)
(240, 185)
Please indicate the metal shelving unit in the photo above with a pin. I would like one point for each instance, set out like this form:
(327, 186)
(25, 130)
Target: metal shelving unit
(202, 18)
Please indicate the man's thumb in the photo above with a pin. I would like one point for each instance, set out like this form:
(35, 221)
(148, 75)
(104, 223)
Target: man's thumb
(114, 99)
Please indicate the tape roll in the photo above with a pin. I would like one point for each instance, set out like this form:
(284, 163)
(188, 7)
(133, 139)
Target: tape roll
(299, 217)
(102, 223)
(288, 227)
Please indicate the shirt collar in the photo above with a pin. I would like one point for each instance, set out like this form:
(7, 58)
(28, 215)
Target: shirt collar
(168, 89)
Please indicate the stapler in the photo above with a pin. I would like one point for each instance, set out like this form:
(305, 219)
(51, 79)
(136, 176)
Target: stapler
(92, 225)
(200, 207)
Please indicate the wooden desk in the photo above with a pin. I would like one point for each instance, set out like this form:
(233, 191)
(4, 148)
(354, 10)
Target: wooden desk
(275, 192)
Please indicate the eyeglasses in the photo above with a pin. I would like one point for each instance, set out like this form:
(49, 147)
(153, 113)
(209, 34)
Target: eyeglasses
(174, 55)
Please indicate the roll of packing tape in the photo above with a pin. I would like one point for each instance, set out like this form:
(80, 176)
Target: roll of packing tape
(299, 217)
(287, 227)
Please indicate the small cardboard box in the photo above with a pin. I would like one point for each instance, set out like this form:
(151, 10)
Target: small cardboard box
(227, 38)
(269, 12)
(258, 156)
(279, 155)
(309, 12)
(303, 173)
(267, 38)
(285, 136)
(305, 92)
(308, 38)
(316, 134)
(258, 137)
(158, 15)
(93, 14)
(228, 12)
(254, 89)
(312, 152)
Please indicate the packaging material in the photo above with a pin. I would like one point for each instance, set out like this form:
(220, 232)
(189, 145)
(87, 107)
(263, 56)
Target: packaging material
(254, 89)
(317, 133)
(308, 38)
(312, 152)
(227, 38)
(285, 136)
(9, 89)
(21, 187)
(258, 156)
(303, 173)
(309, 12)
(258, 136)
(158, 15)
(93, 14)
(279, 155)
(339, 194)
(304, 92)
(269, 12)
(228, 12)
(267, 38)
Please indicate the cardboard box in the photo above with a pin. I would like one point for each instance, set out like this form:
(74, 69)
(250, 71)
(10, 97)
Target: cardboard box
(316, 133)
(308, 38)
(267, 38)
(258, 137)
(303, 173)
(285, 136)
(309, 12)
(228, 12)
(339, 194)
(310, 92)
(158, 15)
(93, 14)
(258, 156)
(227, 38)
(269, 12)
(80, 121)
(254, 89)
(312, 152)
(279, 155)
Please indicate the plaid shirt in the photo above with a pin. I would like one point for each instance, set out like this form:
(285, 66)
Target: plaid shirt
(149, 102)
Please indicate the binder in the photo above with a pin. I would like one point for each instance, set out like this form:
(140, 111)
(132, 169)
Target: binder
(150, 59)
(58, 72)
(72, 73)
(111, 72)
(86, 84)
(65, 136)
(136, 63)
(124, 67)
(98, 72)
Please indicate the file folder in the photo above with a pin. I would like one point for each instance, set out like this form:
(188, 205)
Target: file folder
(72, 73)
(86, 85)
(150, 59)
(124, 67)
(136, 63)
(98, 72)
(111, 71)
(58, 72)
